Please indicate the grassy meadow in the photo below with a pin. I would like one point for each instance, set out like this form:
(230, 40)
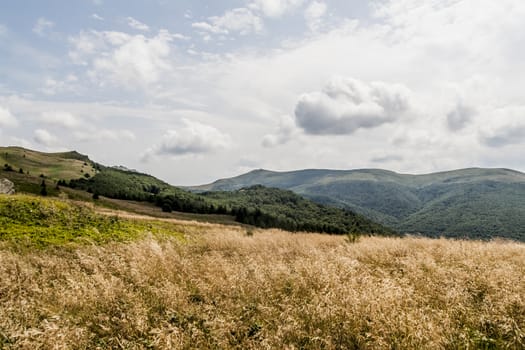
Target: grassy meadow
(167, 284)
(56, 166)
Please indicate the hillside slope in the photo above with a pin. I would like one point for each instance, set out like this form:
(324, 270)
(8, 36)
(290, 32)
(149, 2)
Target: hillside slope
(262, 207)
(477, 203)
(56, 166)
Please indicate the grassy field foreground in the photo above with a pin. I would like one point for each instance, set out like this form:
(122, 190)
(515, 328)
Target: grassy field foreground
(220, 287)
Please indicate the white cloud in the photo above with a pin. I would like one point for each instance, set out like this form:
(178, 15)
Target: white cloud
(285, 132)
(460, 116)
(192, 139)
(504, 136)
(314, 13)
(136, 24)
(388, 158)
(17, 141)
(53, 86)
(503, 127)
(346, 105)
(239, 20)
(275, 8)
(180, 36)
(208, 27)
(6, 118)
(97, 17)
(44, 138)
(61, 118)
(42, 26)
(104, 135)
(3, 30)
(120, 59)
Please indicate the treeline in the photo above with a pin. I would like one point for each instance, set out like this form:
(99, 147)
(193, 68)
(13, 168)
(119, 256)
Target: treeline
(121, 184)
(271, 207)
(258, 206)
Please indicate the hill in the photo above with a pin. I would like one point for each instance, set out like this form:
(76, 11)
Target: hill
(279, 209)
(56, 166)
(258, 206)
(475, 203)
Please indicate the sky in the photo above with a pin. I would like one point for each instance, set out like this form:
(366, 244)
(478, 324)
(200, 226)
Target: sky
(192, 91)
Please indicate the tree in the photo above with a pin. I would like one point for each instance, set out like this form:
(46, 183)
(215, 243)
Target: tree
(43, 188)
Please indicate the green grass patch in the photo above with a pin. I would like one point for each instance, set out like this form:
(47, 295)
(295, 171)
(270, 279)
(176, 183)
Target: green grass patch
(41, 222)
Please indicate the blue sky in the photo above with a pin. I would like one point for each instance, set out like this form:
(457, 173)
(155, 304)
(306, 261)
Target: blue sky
(192, 91)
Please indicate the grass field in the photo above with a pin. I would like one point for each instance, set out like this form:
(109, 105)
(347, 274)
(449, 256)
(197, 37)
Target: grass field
(175, 285)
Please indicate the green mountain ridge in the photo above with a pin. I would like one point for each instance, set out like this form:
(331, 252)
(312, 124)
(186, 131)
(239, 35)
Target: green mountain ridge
(258, 206)
(473, 202)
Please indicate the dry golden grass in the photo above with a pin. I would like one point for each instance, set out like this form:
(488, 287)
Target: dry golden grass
(220, 288)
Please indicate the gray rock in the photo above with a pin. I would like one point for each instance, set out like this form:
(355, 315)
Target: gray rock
(7, 187)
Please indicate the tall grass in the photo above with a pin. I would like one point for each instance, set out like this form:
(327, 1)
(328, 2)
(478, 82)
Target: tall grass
(220, 288)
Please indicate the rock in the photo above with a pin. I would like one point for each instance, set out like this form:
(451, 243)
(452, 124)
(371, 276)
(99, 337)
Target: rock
(6, 187)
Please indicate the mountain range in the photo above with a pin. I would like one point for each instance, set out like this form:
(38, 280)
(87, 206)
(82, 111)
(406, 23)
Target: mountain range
(74, 175)
(474, 202)
(469, 203)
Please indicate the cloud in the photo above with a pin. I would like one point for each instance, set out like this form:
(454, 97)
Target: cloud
(503, 127)
(460, 116)
(346, 105)
(387, 158)
(192, 139)
(136, 24)
(285, 132)
(124, 60)
(275, 8)
(44, 137)
(97, 17)
(6, 118)
(53, 86)
(3, 30)
(61, 118)
(17, 141)
(239, 20)
(314, 13)
(42, 26)
(180, 36)
(438, 49)
(104, 135)
(504, 136)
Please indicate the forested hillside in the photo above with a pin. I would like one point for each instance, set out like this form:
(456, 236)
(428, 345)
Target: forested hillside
(258, 205)
(475, 203)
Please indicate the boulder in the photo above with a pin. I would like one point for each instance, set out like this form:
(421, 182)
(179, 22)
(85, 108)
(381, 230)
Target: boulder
(6, 187)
